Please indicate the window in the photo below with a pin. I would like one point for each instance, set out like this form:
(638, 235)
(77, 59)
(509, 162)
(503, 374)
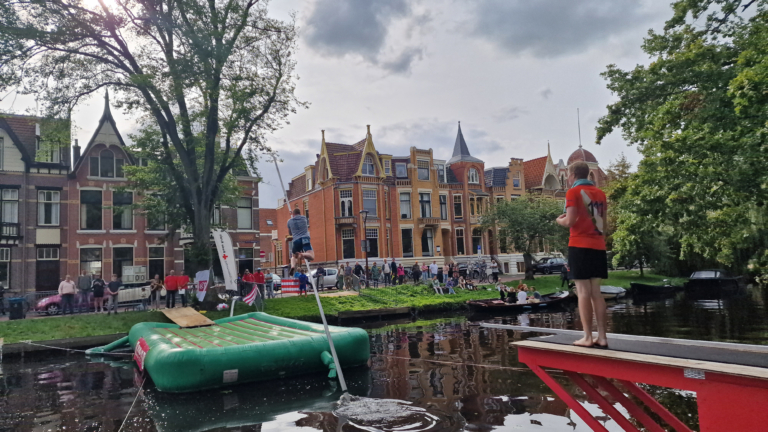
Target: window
(121, 257)
(122, 213)
(473, 177)
(119, 168)
(94, 166)
(45, 154)
(423, 169)
(90, 261)
(9, 212)
(107, 164)
(444, 207)
(407, 236)
(516, 180)
(477, 241)
(441, 173)
(348, 243)
(5, 266)
(405, 205)
(387, 167)
(244, 260)
(90, 210)
(372, 234)
(368, 168)
(457, 207)
(156, 262)
(386, 203)
(309, 180)
(425, 205)
(369, 202)
(306, 210)
(400, 170)
(426, 242)
(460, 241)
(48, 207)
(345, 198)
(269, 222)
(216, 216)
(244, 213)
(471, 206)
(48, 253)
(155, 223)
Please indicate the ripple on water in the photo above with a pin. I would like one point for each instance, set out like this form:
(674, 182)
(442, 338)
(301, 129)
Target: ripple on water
(388, 415)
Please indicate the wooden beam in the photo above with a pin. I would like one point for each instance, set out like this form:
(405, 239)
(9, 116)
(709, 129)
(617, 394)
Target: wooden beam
(187, 317)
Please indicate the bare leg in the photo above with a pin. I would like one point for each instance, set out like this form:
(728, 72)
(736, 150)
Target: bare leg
(598, 304)
(309, 255)
(584, 291)
(294, 261)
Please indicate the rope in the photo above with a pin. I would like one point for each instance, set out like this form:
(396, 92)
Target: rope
(134, 402)
(72, 350)
(519, 369)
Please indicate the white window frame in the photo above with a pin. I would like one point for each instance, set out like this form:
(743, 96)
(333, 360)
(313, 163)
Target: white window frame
(461, 205)
(443, 206)
(422, 165)
(129, 209)
(463, 241)
(9, 205)
(50, 156)
(441, 168)
(241, 214)
(408, 215)
(422, 207)
(369, 168)
(387, 167)
(370, 195)
(309, 181)
(50, 198)
(473, 177)
(405, 170)
(83, 212)
(372, 233)
(345, 203)
(47, 254)
(347, 234)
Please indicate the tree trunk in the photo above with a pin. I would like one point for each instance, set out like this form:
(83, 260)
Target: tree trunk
(640, 262)
(528, 258)
(200, 249)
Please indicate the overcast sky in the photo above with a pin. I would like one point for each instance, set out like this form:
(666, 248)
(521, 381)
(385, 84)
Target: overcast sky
(512, 71)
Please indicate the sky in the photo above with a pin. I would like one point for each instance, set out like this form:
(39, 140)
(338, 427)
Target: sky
(514, 72)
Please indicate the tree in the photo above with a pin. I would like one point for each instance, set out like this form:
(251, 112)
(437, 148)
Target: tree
(525, 223)
(617, 174)
(697, 113)
(211, 77)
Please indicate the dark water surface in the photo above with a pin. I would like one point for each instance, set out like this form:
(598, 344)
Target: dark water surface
(443, 373)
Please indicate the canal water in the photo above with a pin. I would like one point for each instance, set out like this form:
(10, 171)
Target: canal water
(439, 373)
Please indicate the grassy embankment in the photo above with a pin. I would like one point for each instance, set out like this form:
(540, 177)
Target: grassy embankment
(304, 308)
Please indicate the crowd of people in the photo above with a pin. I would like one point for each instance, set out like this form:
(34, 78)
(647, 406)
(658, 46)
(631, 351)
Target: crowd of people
(520, 295)
(392, 272)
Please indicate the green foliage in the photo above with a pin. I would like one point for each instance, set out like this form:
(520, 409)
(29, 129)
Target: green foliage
(697, 114)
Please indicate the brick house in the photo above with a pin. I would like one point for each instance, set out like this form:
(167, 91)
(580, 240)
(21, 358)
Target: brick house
(60, 218)
(420, 208)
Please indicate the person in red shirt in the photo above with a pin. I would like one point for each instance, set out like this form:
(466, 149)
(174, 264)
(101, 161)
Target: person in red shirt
(181, 283)
(250, 281)
(585, 214)
(171, 286)
(258, 277)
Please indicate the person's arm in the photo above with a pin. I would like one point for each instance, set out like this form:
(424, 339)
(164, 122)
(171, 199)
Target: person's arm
(568, 218)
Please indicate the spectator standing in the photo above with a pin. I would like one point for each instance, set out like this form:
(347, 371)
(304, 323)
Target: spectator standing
(98, 293)
(258, 279)
(495, 271)
(416, 273)
(171, 286)
(67, 290)
(182, 282)
(446, 272)
(320, 276)
(387, 270)
(270, 284)
(375, 272)
(113, 288)
(393, 268)
(358, 269)
(348, 277)
(433, 269)
(156, 289)
(303, 279)
(84, 283)
(400, 274)
(425, 272)
(250, 281)
(340, 278)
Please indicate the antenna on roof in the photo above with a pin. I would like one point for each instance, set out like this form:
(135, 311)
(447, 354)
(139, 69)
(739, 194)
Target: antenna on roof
(578, 121)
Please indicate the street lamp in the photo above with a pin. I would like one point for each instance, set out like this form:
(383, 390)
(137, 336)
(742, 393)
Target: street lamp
(365, 242)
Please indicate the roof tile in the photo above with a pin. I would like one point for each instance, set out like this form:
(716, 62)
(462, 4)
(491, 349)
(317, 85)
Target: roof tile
(534, 171)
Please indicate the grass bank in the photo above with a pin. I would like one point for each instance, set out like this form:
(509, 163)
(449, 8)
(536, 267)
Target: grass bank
(304, 308)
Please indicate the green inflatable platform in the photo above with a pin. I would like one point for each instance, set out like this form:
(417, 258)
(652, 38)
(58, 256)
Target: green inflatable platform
(244, 348)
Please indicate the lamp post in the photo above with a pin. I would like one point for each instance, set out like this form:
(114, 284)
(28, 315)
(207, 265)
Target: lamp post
(274, 254)
(365, 242)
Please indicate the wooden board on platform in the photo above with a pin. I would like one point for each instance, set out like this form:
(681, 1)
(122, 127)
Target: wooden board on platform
(187, 317)
(723, 368)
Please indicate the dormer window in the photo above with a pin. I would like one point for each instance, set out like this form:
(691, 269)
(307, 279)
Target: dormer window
(368, 168)
(473, 176)
(105, 165)
(45, 154)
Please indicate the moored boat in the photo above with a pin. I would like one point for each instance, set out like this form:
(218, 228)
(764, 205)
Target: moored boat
(612, 292)
(495, 305)
(647, 289)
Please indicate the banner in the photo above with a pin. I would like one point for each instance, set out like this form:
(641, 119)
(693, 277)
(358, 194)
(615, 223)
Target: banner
(226, 257)
(201, 280)
(290, 286)
(140, 352)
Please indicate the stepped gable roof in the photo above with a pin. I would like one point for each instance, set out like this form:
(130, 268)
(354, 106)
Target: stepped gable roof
(344, 159)
(496, 176)
(581, 155)
(534, 171)
(461, 151)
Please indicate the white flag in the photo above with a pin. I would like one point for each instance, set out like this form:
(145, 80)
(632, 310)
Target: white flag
(201, 279)
(227, 258)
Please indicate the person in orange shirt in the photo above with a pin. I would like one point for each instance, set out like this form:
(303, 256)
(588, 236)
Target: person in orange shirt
(181, 282)
(171, 286)
(585, 214)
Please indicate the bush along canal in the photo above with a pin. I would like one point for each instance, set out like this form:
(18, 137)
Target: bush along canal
(444, 372)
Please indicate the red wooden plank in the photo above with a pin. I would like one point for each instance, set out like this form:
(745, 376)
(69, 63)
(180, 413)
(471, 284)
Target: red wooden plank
(655, 406)
(634, 410)
(606, 406)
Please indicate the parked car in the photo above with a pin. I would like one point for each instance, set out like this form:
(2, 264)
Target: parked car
(549, 265)
(329, 280)
(129, 294)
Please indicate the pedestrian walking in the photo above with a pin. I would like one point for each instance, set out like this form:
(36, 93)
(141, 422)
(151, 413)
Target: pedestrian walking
(340, 278)
(358, 269)
(416, 273)
(320, 276)
(84, 289)
(99, 286)
(171, 286)
(348, 278)
(495, 271)
(67, 290)
(269, 282)
(387, 272)
(393, 268)
(113, 288)
(585, 213)
(182, 283)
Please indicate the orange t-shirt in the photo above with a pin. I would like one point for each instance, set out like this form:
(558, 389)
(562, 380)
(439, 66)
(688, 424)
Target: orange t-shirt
(589, 229)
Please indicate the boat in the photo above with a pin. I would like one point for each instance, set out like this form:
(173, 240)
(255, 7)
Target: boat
(647, 289)
(245, 348)
(612, 292)
(712, 280)
(495, 305)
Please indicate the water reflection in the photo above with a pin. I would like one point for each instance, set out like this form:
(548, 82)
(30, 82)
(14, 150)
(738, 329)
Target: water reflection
(452, 373)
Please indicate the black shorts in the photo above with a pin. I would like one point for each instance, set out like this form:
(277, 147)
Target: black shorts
(587, 263)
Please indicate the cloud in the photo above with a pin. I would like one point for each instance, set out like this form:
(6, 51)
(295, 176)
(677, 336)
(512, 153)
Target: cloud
(552, 28)
(362, 28)
(508, 114)
(545, 93)
(439, 135)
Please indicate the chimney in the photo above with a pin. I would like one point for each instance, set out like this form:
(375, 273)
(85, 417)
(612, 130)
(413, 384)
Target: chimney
(76, 149)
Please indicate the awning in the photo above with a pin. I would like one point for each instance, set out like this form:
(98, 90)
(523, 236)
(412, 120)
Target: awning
(478, 192)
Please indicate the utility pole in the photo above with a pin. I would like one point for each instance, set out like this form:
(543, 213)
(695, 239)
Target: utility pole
(365, 242)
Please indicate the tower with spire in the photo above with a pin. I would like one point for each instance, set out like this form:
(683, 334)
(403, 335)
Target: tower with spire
(461, 151)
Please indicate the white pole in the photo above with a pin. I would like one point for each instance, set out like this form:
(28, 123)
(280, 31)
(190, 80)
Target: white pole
(317, 296)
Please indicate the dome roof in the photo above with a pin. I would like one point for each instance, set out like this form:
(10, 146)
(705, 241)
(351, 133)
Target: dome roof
(581, 155)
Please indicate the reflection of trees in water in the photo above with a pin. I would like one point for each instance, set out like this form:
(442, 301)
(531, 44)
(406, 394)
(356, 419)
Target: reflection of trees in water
(681, 404)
